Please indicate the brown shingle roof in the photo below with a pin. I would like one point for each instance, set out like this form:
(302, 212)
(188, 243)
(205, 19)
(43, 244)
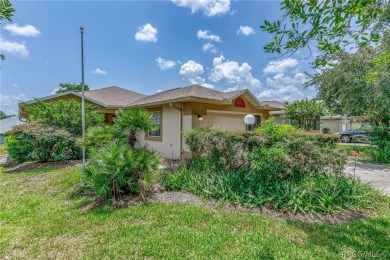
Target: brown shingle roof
(114, 96)
(275, 104)
(186, 92)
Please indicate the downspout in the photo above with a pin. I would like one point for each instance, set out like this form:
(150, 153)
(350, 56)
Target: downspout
(181, 126)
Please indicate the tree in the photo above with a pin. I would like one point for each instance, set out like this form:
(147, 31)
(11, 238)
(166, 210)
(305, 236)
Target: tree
(305, 113)
(65, 87)
(3, 115)
(133, 121)
(358, 84)
(332, 25)
(64, 114)
(6, 12)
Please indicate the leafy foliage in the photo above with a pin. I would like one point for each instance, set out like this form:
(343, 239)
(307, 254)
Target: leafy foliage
(133, 121)
(35, 142)
(98, 136)
(114, 170)
(3, 115)
(6, 12)
(224, 150)
(344, 87)
(305, 113)
(65, 114)
(65, 87)
(279, 167)
(331, 25)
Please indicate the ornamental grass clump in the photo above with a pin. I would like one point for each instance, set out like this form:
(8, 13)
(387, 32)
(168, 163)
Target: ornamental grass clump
(115, 170)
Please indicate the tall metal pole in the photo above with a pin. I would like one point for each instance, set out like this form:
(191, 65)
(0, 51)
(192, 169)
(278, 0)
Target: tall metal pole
(82, 93)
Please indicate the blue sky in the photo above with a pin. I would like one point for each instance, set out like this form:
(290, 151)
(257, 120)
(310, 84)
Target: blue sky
(145, 46)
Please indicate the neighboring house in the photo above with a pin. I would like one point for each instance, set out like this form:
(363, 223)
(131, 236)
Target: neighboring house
(278, 115)
(175, 112)
(7, 124)
(335, 123)
(338, 123)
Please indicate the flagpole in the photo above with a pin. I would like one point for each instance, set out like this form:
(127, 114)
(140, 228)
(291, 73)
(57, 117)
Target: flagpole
(82, 94)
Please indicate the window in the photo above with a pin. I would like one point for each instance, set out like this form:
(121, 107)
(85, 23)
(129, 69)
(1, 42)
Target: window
(239, 102)
(157, 122)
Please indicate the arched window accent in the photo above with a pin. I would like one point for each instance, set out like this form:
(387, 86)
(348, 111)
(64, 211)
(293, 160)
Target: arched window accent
(239, 102)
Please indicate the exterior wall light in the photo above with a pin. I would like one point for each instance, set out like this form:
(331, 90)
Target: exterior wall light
(200, 118)
(249, 120)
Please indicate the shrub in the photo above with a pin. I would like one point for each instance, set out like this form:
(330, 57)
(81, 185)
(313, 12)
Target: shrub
(35, 142)
(65, 114)
(380, 152)
(223, 149)
(115, 169)
(133, 121)
(98, 136)
(270, 128)
(295, 171)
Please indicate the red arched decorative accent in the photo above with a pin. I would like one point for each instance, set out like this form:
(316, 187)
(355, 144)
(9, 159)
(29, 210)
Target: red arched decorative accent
(239, 102)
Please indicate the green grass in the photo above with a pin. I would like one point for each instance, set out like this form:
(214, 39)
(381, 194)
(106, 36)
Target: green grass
(41, 218)
(3, 149)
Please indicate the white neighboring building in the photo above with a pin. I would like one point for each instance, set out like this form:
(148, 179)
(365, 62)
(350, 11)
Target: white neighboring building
(7, 124)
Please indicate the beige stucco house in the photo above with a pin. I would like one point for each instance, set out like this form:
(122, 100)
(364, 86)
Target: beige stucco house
(176, 111)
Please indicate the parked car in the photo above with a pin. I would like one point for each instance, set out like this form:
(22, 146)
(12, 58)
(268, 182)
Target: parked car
(363, 134)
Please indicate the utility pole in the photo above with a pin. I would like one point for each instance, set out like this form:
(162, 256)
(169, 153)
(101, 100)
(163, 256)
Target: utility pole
(82, 94)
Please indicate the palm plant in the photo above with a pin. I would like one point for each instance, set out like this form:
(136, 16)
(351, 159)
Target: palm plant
(133, 121)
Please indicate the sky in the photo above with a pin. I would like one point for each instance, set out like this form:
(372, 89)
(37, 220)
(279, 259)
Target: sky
(145, 46)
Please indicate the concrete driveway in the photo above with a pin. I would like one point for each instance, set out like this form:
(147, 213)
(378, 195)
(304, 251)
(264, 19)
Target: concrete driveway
(376, 175)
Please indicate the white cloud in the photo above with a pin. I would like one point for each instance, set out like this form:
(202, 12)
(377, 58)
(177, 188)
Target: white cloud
(205, 35)
(236, 76)
(207, 85)
(283, 87)
(245, 30)
(165, 64)
(209, 47)
(14, 47)
(9, 103)
(15, 85)
(159, 90)
(99, 71)
(280, 66)
(208, 7)
(27, 30)
(191, 72)
(146, 33)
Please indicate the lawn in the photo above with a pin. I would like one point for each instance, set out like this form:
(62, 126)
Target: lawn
(41, 217)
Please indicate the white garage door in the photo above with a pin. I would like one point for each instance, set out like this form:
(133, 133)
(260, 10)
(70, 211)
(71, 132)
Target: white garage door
(227, 122)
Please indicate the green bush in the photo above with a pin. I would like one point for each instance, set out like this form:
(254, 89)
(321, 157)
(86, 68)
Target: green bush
(284, 169)
(223, 149)
(115, 169)
(35, 142)
(98, 136)
(270, 128)
(64, 114)
(380, 152)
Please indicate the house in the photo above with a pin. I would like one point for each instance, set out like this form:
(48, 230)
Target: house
(7, 124)
(335, 123)
(338, 123)
(175, 111)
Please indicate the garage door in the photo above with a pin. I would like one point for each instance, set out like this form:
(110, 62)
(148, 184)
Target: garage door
(227, 122)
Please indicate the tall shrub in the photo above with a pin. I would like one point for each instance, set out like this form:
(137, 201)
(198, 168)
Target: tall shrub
(65, 114)
(35, 142)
